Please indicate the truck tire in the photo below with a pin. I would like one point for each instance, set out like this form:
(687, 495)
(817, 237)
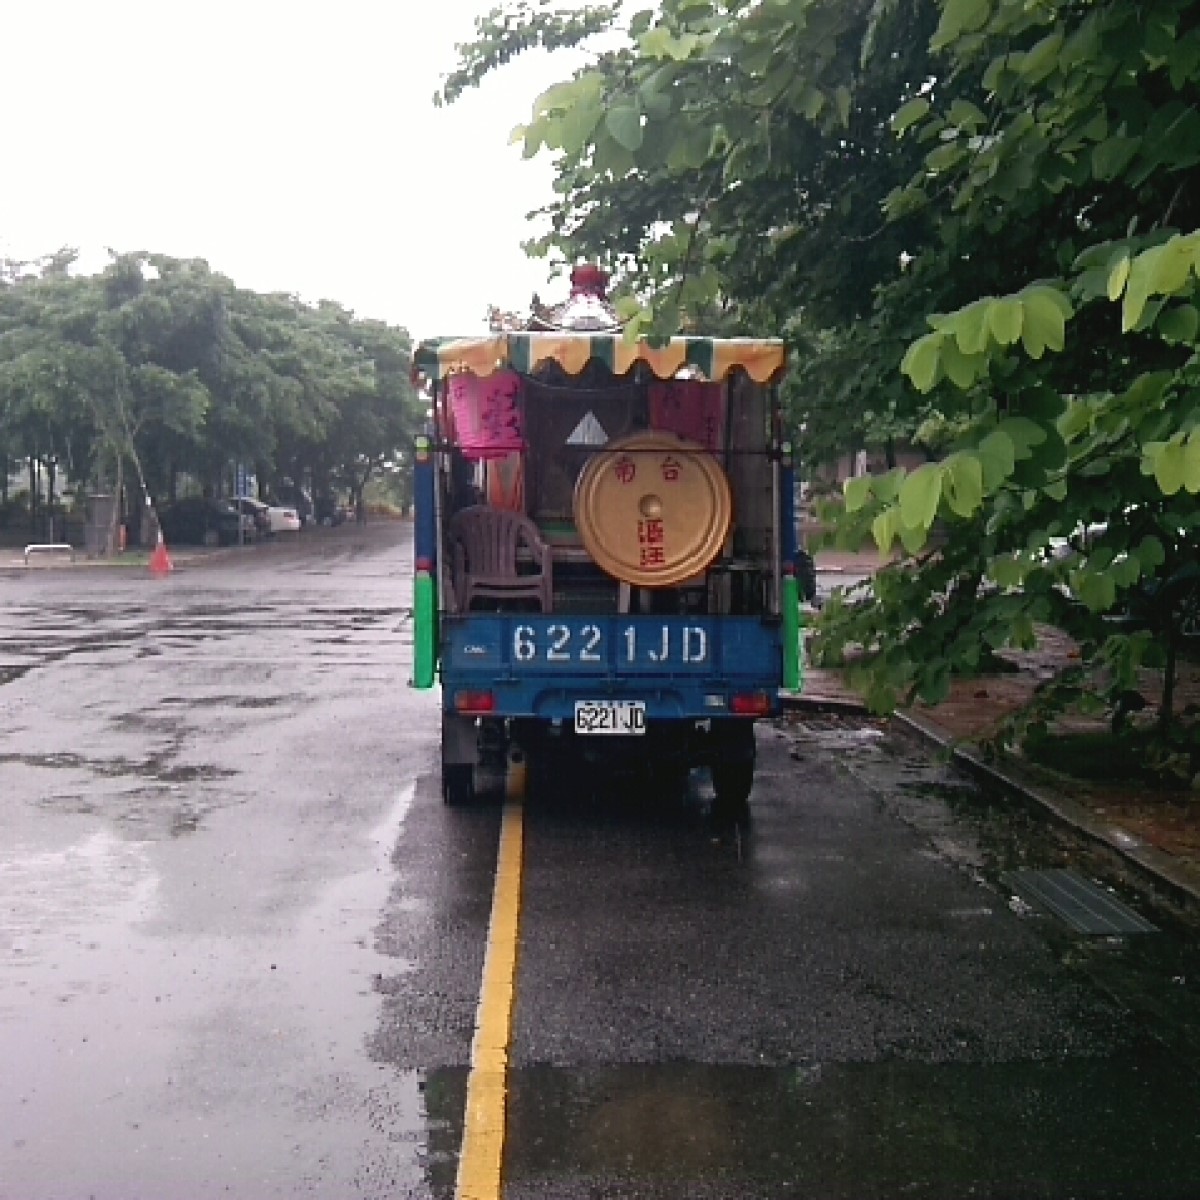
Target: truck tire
(732, 782)
(540, 776)
(733, 770)
(458, 784)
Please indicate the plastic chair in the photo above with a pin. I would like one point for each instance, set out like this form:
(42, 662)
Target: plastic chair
(487, 564)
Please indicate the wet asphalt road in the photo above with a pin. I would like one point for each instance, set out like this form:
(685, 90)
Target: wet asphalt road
(241, 939)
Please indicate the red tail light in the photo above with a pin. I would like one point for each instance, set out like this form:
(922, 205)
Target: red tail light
(750, 704)
(474, 703)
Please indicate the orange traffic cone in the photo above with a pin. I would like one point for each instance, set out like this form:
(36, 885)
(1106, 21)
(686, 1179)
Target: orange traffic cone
(160, 560)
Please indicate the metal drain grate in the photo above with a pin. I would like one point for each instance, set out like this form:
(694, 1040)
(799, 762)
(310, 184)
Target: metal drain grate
(1080, 903)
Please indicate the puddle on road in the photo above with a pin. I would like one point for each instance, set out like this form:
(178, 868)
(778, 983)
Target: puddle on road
(237, 1061)
(54, 903)
(241, 702)
(155, 767)
(962, 824)
(858, 1131)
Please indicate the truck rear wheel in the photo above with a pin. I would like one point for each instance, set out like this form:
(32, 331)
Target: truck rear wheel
(733, 770)
(732, 782)
(458, 784)
(539, 779)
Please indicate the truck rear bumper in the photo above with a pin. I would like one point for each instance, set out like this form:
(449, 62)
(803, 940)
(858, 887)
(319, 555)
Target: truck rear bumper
(687, 743)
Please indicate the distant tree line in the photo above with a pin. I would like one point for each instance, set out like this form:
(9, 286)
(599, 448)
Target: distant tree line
(158, 372)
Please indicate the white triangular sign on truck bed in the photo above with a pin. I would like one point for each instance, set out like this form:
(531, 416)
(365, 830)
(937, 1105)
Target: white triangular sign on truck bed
(589, 432)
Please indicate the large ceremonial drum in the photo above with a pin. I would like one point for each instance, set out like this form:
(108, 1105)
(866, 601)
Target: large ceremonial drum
(653, 509)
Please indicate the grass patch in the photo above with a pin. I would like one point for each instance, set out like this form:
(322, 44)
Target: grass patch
(124, 559)
(1098, 755)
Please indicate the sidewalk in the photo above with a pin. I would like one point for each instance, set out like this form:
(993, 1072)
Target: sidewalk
(13, 562)
(1155, 833)
(136, 558)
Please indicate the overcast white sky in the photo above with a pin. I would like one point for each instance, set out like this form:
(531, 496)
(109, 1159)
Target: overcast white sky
(293, 145)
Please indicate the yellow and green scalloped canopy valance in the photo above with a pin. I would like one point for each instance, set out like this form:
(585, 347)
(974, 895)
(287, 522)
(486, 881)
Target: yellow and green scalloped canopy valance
(710, 358)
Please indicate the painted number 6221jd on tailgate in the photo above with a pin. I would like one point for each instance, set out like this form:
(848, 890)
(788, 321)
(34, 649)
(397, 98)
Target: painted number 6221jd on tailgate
(582, 643)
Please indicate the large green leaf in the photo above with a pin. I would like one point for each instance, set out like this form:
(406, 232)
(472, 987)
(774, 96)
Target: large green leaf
(1161, 270)
(961, 369)
(842, 101)
(959, 17)
(624, 122)
(576, 126)
(922, 362)
(1180, 323)
(857, 492)
(1005, 320)
(660, 43)
(970, 327)
(1111, 156)
(1096, 589)
(1191, 464)
(690, 149)
(1118, 276)
(1170, 468)
(1151, 554)
(1043, 327)
(1137, 290)
(885, 527)
(997, 455)
(920, 495)
(967, 115)
(909, 113)
(1039, 61)
(1008, 571)
(655, 94)
(963, 483)
(1024, 434)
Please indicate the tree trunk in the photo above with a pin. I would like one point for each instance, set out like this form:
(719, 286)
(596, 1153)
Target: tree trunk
(51, 479)
(113, 544)
(1166, 710)
(33, 495)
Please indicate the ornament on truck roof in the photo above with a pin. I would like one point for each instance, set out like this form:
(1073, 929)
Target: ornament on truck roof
(586, 310)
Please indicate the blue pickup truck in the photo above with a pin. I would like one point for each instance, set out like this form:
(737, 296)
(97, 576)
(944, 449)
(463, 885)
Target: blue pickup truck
(605, 555)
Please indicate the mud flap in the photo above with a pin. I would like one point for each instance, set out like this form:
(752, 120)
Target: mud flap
(460, 740)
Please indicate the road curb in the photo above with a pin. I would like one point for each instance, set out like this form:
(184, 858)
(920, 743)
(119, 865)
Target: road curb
(1163, 872)
(804, 701)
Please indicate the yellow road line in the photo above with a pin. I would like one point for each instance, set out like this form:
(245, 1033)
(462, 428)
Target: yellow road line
(481, 1159)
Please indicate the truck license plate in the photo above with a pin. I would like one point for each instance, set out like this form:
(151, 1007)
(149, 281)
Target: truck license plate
(610, 716)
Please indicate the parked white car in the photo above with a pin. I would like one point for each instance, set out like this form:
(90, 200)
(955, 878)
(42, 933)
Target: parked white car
(270, 518)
